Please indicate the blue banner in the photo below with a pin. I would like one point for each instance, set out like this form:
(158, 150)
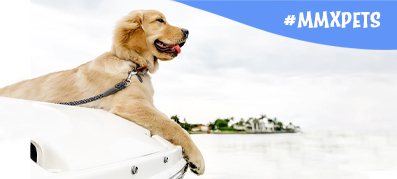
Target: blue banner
(352, 24)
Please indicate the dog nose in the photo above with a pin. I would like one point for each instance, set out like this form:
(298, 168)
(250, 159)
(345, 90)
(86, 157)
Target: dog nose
(186, 32)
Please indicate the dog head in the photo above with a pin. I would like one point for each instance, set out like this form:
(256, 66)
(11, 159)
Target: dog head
(147, 33)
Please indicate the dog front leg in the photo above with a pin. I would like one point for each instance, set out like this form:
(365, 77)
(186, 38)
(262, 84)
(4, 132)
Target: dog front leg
(157, 123)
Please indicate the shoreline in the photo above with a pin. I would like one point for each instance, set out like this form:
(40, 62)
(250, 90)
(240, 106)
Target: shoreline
(240, 132)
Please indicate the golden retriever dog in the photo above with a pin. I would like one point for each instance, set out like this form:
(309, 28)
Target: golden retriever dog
(141, 38)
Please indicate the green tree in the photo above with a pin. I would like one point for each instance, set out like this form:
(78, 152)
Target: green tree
(211, 126)
(270, 120)
(219, 123)
(185, 125)
(263, 116)
(241, 122)
(249, 123)
(175, 118)
(279, 126)
(256, 123)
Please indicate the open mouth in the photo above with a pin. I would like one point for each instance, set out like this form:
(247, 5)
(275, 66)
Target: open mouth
(168, 48)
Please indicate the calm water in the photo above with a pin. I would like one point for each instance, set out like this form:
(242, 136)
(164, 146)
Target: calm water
(305, 155)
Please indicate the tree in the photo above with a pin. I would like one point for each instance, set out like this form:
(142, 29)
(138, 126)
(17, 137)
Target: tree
(256, 123)
(185, 125)
(263, 116)
(211, 126)
(249, 123)
(241, 122)
(221, 123)
(175, 118)
(260, 120)
(279, 126)
(269, 120)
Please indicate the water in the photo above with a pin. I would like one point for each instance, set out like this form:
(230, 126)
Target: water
(305, 155)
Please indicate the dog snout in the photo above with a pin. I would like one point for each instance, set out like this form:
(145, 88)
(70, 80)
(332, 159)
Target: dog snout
(185, 32)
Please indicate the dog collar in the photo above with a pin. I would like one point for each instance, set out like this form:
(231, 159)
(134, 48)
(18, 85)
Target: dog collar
(141, 70)
(138, 71)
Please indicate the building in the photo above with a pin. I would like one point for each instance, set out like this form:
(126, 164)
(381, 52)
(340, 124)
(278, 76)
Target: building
(269, 127)
(239, 127)
(201, 129)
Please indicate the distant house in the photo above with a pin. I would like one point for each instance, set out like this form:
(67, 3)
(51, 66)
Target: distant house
(261, 126)
(201, 128)
(239, 127)
(269, 127)
(292, 128)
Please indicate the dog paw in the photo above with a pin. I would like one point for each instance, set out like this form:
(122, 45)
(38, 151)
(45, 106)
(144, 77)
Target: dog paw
(196, 164)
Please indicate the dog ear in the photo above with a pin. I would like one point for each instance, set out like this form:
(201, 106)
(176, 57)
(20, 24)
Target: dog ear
(130, 34)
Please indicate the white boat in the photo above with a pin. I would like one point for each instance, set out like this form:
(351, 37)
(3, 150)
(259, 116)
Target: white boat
(83, 143)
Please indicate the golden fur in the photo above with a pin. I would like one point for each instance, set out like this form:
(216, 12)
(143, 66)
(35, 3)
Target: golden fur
(133, 43)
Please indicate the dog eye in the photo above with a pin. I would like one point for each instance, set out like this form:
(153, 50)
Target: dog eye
(160, 20)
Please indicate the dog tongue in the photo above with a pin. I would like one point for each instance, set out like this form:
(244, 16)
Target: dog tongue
(177, 48)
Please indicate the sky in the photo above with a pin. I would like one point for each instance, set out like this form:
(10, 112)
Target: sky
(225, 69)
